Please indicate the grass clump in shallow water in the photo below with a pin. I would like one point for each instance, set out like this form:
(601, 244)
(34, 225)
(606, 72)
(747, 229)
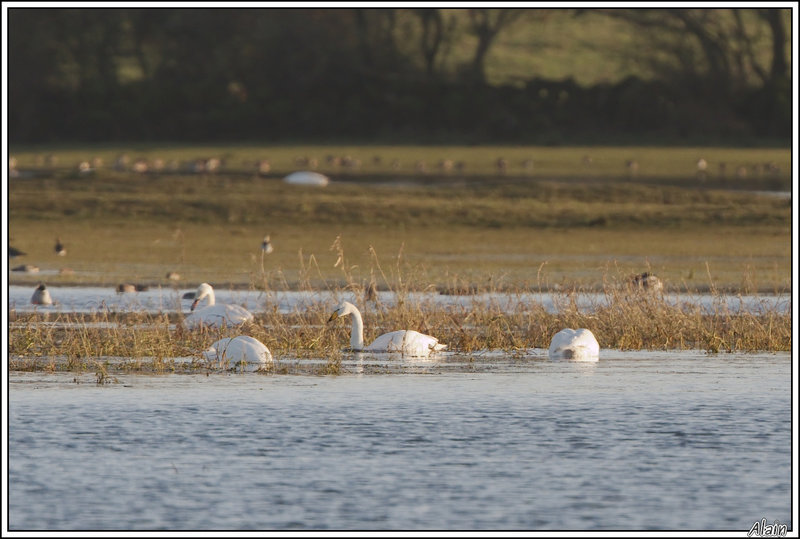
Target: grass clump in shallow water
(621, 317)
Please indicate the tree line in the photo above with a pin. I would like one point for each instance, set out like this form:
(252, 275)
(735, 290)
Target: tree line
(218, 74)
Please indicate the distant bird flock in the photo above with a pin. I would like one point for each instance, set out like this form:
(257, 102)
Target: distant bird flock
(307, 166)
(569, 344)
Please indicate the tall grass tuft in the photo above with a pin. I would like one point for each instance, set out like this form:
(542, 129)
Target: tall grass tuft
(622, 317)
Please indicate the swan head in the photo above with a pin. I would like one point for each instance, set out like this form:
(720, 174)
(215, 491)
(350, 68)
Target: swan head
(343, 309)
(204, 290)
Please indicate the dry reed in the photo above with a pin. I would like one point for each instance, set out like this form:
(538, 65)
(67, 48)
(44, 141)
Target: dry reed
(623, 318)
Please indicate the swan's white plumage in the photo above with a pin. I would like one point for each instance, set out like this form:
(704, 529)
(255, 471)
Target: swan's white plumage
(305, 177)
(579, 344)
(407, 342)
(213, 315)
(233, 351)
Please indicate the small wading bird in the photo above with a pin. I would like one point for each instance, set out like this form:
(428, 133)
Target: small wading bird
(266, 248)
(59, 248)
(41, 296)
(128, 287)
(214, 315)
(408, 342)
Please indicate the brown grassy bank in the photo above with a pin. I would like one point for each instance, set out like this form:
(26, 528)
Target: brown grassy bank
(479, 229)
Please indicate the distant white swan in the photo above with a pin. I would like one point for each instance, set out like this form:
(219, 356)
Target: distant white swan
(577, 344)
(408, 342)
(214, 315)
(305, 177)
(41, 296)
(245, 351)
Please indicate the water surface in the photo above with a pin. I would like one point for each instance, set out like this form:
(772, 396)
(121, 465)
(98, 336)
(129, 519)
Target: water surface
(87, 299)
(672, 441)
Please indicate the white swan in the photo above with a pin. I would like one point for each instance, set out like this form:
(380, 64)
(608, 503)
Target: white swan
(41, 296)
(214, 315)
(408, 342)
(305, 177)
(577, 344)
(243, 351)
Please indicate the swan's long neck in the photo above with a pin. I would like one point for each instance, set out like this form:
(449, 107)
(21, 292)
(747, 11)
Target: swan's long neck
(210, 297)
(357, 331)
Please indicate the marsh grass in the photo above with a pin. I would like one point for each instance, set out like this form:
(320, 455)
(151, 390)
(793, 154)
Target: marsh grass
(622, 318)
(565, 228)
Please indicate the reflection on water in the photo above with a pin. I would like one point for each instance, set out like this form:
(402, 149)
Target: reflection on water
(679, 441)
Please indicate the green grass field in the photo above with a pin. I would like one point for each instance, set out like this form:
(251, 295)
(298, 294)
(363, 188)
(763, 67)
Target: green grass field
(569, 221)
(654, 163)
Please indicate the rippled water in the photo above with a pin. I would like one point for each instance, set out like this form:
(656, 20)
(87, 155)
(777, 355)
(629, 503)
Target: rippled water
(677, 441)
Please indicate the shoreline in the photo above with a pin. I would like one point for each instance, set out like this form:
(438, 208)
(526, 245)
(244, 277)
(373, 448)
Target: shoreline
(462, 290)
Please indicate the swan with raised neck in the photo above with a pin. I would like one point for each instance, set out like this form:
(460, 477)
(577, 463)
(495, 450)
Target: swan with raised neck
(357, 328)
(214, 315)
(407, 342)
(204, 291)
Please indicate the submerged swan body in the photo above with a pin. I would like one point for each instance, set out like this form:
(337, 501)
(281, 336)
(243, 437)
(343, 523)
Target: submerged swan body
(579, 344)
(234, 351)
(213, 315)
(408, 342)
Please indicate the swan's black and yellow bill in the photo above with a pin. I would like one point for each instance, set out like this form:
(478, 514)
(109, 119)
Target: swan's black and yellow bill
(333, 317)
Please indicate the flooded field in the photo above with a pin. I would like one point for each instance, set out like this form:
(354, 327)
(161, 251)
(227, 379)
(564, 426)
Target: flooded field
(98, 299)
(478, 439)
(638, 440)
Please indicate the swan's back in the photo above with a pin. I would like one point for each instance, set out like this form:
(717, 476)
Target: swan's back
(216, 316)
(408, 342)
(235, 350)
(577, 344)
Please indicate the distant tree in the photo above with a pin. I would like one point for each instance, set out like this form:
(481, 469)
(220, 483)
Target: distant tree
(726, 58)
(485, 25)
(778, 73)
(432, 36)
(712, 48)
(375, 30)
